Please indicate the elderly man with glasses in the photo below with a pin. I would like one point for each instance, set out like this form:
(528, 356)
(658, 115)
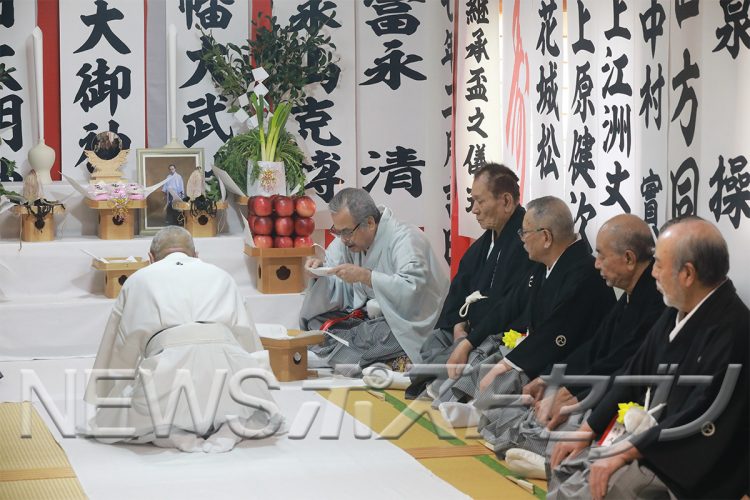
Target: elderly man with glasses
(566, 300)
(382, 291)
(488, 273)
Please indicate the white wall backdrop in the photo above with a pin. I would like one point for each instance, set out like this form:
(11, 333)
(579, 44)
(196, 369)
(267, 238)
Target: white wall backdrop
(657, 115)
(647, 100)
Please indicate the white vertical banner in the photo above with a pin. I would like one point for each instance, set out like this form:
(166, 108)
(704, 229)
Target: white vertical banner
(516, 121)
(585, 20)
(723, 129)
(17, 106)
(685, 110)
(446, 115)
(478, 99)
(651, 109)
(614, 180)
(101, 79)
(325, 125)
(202, 117)
(438, 35)
(545, 168)
(399, 97)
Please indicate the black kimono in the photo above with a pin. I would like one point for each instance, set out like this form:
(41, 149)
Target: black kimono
(620, 335)
(712, 462)
(494, 276)
(564, 311)
(560, 313)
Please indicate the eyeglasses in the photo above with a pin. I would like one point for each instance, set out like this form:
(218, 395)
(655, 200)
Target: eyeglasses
(344, 234)
(522, 234)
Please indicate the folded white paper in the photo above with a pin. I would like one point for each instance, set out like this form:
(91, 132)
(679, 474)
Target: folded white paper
(260, 90)
(100, 259)
(241, 115)
(260, 74)
(228, 182)
(76, 186)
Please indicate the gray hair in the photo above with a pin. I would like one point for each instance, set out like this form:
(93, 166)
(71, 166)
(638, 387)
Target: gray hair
(359, 203)
(704, 247)
(554, 215)
(631, 233)
(171, 239)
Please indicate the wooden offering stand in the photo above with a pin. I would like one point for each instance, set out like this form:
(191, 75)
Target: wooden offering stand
(280, 270)
(288, 357)
(35, 229)
(112, 225)
(117, 270)
(202, 225)
(241, 200)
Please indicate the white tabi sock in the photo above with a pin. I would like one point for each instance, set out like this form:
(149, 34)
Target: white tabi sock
(525, 463)
(380, 377)
(460, 414)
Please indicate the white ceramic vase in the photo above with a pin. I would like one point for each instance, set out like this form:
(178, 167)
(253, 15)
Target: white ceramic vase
(41, 159)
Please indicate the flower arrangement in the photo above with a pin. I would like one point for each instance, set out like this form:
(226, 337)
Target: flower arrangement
(622, 409)
(512, 338)
(285, 62)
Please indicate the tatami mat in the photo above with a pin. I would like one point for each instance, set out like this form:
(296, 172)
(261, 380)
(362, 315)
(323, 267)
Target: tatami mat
(456, 456)
(34, 467)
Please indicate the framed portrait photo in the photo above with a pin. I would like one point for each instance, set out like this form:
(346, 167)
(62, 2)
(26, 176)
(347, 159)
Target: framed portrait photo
(155, 165)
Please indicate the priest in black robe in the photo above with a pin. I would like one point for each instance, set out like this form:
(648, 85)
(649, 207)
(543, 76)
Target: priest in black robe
(492, 266)
(624, 257)
(697, 445)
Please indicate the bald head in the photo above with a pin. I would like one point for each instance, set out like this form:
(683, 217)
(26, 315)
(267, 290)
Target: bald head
(629, 232)
(553, 214)
(624, 248)
(171, 239)
(696, 241)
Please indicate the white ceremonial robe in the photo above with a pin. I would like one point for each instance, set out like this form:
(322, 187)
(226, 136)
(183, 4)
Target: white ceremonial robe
(408, 282)
(181, 296)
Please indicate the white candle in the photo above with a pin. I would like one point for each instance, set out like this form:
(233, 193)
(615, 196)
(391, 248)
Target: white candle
(39, 80)
(172, 79)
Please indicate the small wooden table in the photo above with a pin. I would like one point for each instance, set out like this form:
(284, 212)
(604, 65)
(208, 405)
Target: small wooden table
(117, 271)
(288, 357)
(201, 226)
(280, 270)
(112, 227)
(30, 230)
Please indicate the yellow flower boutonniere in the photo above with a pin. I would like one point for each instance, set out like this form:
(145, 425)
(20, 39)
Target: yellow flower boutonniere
(623, 409)
(511, 338)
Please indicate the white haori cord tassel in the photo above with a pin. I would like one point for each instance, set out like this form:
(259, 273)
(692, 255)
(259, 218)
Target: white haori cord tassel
(474, 297)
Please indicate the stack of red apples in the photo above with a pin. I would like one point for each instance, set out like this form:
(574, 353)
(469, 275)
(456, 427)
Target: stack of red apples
(281, 221)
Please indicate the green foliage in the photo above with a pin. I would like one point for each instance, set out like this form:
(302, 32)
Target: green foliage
(293, 61)
(213, 191)
(4, 192)
(10, 166)
(233, 156)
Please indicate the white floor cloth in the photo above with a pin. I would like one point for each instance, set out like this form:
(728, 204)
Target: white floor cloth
(282, 467)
